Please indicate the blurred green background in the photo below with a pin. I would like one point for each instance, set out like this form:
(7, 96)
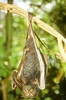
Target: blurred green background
(13, 32)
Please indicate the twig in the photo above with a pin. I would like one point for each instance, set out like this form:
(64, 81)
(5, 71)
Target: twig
(16, 10)
(4, 90)
(44, 44)
(60, 45)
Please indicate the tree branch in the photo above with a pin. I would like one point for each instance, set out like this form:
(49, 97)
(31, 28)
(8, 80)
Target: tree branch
(16, 10)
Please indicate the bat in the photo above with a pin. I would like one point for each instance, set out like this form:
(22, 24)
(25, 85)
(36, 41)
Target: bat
(30, 77)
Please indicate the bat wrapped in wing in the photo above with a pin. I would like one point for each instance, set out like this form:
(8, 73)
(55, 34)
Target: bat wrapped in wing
(31, 74)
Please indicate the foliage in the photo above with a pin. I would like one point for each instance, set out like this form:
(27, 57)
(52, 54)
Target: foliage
(56, 78)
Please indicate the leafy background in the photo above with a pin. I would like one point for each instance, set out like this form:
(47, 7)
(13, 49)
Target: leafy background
(13, 29)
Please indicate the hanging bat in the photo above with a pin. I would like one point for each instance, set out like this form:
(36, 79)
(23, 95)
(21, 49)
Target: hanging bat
(31, 74)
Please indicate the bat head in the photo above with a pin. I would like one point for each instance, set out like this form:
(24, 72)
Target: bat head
(30, 91)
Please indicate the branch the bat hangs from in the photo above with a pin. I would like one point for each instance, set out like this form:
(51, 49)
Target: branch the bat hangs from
(31, 74)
